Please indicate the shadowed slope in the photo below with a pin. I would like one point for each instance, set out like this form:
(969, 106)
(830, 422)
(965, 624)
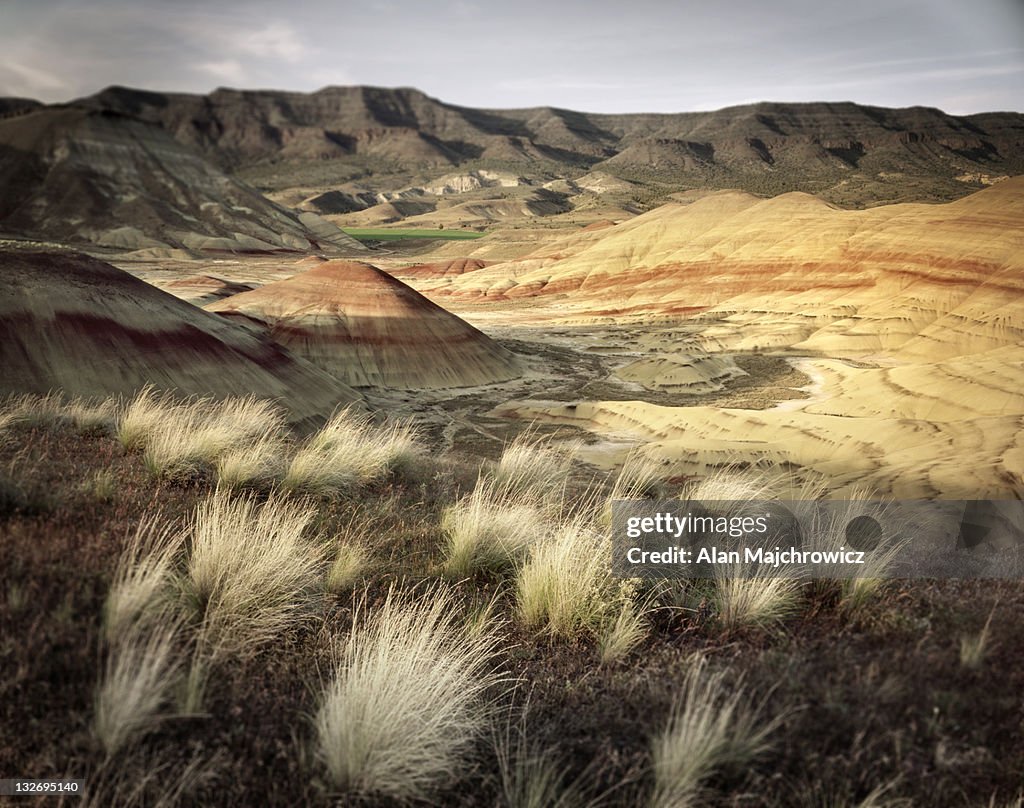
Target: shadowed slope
(368, 328)
(76, 324)
(101, 177)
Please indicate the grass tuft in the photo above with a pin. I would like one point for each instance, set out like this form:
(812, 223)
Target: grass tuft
(624, 633)
(760, 599)
(251, 572)
(974, 648)
(140, 674)
(255, 464)
(194, 436)
(712, 726)
(351, 564)
(348, 452)
(141, 579)
(533, 467)
(566, 587)
(485, 531)
(532, 776)
(407, 700)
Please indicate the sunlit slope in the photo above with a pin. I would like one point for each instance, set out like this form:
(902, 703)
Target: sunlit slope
(967, 458)
(931, 280)
(908, 320)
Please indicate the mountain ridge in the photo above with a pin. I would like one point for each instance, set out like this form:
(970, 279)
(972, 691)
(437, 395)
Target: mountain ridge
(767, 147)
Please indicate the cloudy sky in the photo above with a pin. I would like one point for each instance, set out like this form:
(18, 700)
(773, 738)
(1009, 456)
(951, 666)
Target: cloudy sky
(622, 56)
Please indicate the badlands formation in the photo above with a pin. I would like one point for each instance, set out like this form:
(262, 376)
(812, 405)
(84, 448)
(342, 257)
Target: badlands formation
(367, 328)
(908, 320)
(73, 323)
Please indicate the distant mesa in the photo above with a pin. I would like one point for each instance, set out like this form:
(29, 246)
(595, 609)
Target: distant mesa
(99, 177)
(73, 323)
(370, 329)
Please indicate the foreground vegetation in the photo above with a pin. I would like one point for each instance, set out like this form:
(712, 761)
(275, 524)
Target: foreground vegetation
(202, 608)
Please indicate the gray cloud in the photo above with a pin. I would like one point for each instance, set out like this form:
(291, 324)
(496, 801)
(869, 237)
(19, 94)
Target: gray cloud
(647, 55)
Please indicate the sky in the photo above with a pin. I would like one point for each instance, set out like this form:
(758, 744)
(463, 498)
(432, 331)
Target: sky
(962, 56)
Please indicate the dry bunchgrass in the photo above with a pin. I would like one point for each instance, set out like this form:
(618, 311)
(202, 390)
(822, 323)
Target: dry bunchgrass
(712, 726)
(624, 632)
(54, 409)
(143, 416)
(533, 776)
(350, 565)
(485, 530)
(142, 578)
(831, 530)
(348, 452)
(639, 478)
(408, 699)
(180, 438)
(140, 674)
(759, 598)
(533, 467)
(566, 587)
(975, 647)
(194, 436)
(251, 571)
(257, 463)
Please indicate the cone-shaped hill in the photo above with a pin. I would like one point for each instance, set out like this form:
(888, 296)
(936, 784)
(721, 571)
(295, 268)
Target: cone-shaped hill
(76, 324)
(369, 329)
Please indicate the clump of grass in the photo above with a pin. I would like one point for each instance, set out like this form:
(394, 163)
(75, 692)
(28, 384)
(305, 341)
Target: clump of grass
(638, 478)
(348, 452)
(251, 572)
(566, 587)
(53, 409)
(975, 647)
(532, 776)
(254, 464)
(486, 531)
(712, 726)
(194, 436)
(623, 633)
(533, 467)
(351, 563)
(140, 674)
(101, 486)
(143, 416)
(407, 701)
(17, 597)
(830, 532)
(760, 598)
(141, 579)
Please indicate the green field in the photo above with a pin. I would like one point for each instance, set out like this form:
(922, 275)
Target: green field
(397, 234)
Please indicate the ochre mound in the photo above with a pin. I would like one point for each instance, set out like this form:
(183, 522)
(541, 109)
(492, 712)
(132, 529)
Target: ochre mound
(369, 329)
(73, 323)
